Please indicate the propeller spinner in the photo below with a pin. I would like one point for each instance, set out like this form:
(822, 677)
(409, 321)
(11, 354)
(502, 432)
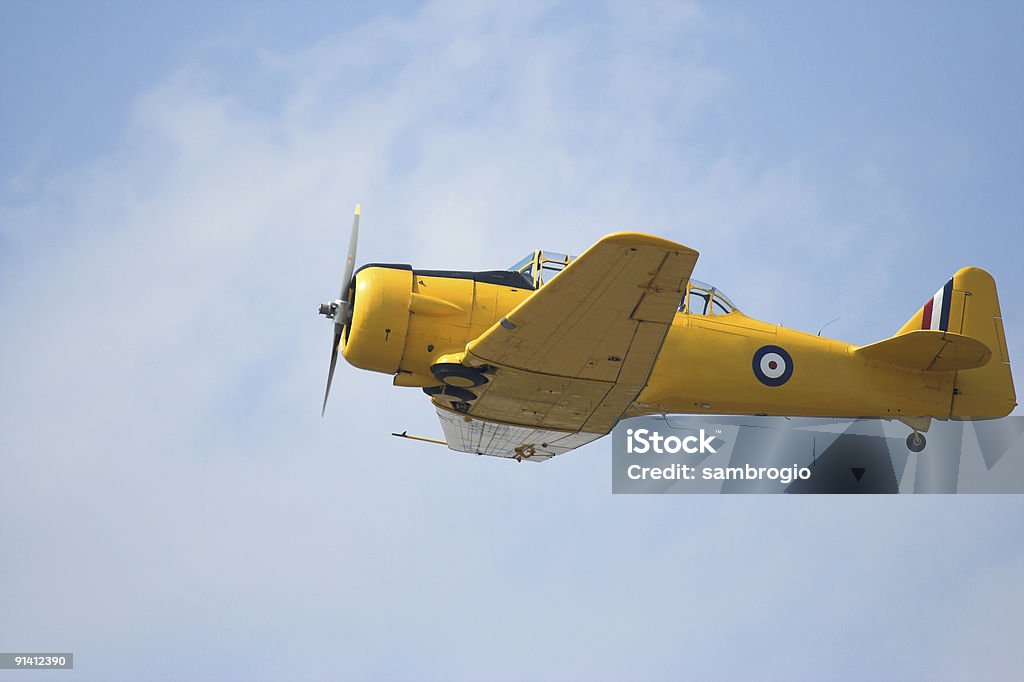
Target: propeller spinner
(340, 309)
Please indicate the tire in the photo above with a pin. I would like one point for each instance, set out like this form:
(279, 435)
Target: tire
(450, 394)
(916, 442)
(459, 376)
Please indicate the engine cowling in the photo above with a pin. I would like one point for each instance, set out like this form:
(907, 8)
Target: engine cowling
(375, 338)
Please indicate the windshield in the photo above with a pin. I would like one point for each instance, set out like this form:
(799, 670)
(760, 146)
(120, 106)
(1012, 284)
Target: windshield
(542, 266)
(704, 299)
(521, 264)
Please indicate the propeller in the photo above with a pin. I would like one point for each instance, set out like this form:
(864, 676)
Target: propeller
(340, 309)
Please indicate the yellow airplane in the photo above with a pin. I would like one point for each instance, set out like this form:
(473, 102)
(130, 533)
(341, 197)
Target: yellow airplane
(544, 357)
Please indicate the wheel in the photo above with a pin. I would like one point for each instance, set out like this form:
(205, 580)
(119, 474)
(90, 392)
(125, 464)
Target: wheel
(454, 374)
(916, 442)
(450, 394)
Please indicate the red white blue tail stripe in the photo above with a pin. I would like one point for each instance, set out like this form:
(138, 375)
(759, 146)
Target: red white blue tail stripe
(936, 310)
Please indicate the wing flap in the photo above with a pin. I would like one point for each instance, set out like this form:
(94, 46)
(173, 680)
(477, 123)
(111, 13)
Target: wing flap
(632, 378)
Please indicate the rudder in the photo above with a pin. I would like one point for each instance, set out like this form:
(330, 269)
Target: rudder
(968, 304)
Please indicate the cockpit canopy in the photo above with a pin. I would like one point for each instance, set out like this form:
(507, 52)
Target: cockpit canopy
(700, 299)
(703, 299)
(541, 266)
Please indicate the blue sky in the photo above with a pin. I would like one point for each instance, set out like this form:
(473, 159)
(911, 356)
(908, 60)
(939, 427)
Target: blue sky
(175, 192)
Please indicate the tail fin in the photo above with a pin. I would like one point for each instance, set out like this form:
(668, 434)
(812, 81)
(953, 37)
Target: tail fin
(968, 304)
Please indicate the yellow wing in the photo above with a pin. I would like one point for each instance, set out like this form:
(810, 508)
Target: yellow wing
(574, 355)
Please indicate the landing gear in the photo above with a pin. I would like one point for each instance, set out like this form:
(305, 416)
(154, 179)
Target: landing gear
(456, 380)
(452, 395)
(916, 442)
(458, 375)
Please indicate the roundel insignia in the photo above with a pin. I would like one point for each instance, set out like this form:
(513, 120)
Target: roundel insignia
(772, 365)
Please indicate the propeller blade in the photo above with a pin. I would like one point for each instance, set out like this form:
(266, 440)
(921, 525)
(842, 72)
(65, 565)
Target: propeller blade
(340, 309)
(351, 262)
(334, 361)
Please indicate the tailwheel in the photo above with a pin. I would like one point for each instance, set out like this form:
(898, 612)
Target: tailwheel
(458, 375)
(916, 442)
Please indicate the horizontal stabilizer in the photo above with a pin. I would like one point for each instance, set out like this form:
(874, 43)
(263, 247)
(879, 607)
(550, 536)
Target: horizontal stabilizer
(929, 350)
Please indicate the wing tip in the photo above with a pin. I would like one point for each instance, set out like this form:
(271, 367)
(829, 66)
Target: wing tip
(643, 239)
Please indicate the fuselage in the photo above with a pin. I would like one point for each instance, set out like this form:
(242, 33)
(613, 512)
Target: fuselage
(405, 321)
(707, 365)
